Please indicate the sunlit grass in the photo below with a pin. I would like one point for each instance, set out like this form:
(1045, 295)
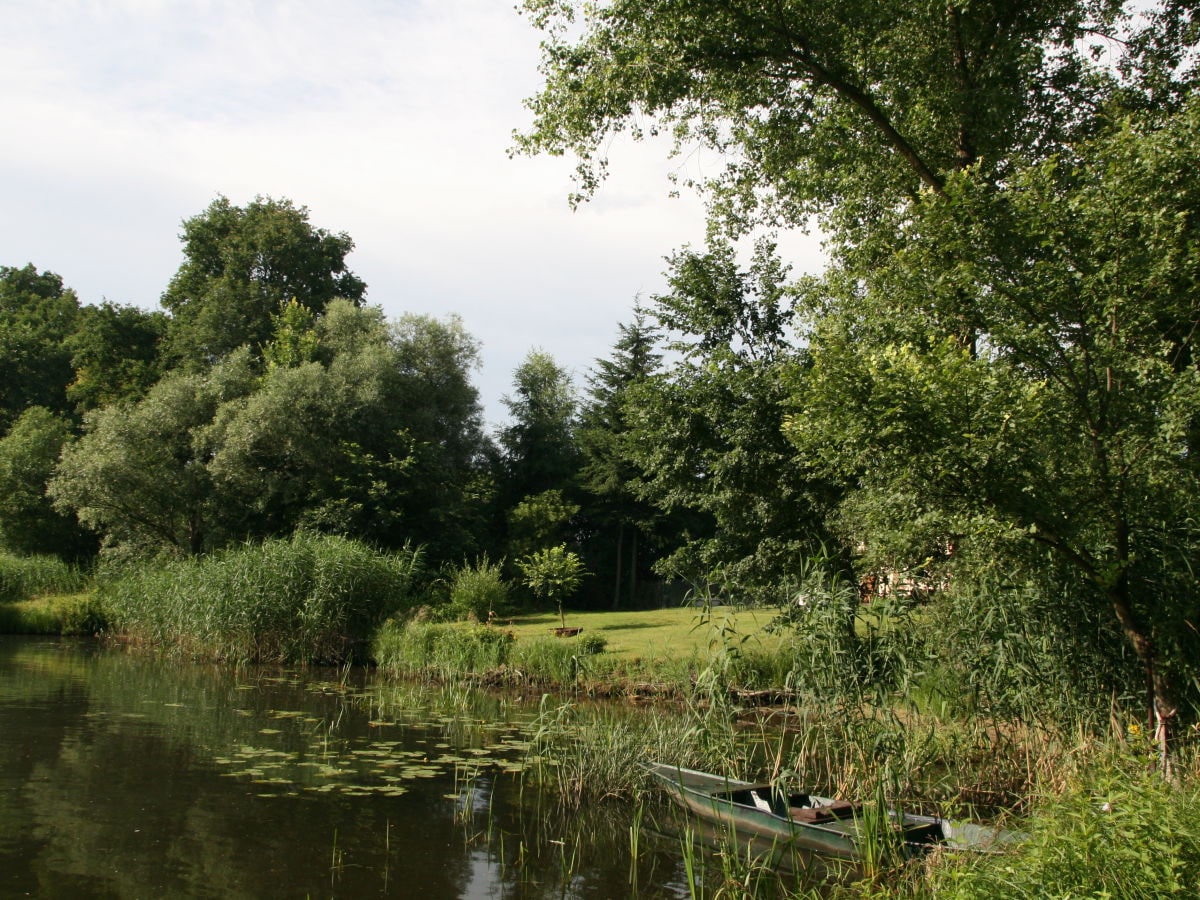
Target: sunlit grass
(655, 633)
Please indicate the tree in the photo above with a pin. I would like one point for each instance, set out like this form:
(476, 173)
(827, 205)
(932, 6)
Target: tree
(540, 448)
(1062, 441)
(984, 327)
(242, 265)
(377, 435)
(839, 108)
(553, 574)
(28, 455)
(706, 433)
(608, 472)
(36, 315)
(139, 475)
(114, 352)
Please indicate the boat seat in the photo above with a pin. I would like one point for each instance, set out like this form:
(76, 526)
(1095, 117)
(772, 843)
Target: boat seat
(819, 815)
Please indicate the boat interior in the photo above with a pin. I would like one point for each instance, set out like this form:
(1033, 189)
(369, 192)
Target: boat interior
(812, 810)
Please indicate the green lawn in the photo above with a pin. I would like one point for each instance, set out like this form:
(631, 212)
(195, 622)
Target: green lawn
(650, 633)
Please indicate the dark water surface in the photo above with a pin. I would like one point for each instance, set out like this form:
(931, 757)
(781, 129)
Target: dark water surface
(126, 776)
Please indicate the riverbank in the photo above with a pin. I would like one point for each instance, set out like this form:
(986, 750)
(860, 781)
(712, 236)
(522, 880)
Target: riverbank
(734, 698)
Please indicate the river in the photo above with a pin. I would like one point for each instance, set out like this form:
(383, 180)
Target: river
(126, 776)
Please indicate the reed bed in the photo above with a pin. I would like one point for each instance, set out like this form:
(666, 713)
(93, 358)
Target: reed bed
(306, 599)
(26, 577)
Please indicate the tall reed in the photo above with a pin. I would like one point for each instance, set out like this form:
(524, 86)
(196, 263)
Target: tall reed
(308, 598)
(25, 577)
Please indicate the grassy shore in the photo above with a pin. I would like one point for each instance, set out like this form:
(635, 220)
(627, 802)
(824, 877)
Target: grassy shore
(1101, 820)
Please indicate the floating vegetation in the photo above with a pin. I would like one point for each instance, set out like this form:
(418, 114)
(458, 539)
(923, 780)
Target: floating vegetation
(291, 752)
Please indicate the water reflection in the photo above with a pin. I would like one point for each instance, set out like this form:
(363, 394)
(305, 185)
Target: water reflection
(125, 776)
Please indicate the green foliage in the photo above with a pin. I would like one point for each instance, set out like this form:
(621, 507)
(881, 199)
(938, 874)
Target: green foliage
(478, 590)
(115, 354)
(140, 474)
(28, 455)
(24, 577)
(376, 437)
(307, 599)
(540, 448)
(539, 521)
(553, 574)
(36, 316)
(242, 265)
(1119, 830)
(294, 337)
(1029, 415)
(808, 106)
(706, 433)
(622, 522)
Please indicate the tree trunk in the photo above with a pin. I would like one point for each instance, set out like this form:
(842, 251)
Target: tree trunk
(617, 580)
(633, 568)
(1160, 700)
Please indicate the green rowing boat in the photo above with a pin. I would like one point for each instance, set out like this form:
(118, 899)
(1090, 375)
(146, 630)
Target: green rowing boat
(823, 825)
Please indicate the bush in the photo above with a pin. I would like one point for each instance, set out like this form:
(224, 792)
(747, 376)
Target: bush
(478, 591)
(310, 598)
(1119, 830)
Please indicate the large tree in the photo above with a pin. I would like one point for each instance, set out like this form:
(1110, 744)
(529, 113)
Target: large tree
(540, 444)
(361, 428)
(241, 266)
(1064, 439)
(140, 474)
(28, 455)
(1011, 263)
(36, 315)
(705, 433)
(836, 106)
(608, 473)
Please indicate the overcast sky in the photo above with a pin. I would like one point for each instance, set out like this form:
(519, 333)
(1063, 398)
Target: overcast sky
(389, 120)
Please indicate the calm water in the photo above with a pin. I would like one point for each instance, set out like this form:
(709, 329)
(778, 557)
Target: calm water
(124, 776)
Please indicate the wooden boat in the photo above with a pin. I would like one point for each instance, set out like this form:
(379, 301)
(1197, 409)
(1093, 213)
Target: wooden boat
(821, 824)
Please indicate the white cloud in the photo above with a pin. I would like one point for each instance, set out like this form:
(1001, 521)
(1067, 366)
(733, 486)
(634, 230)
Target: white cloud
(389, 120)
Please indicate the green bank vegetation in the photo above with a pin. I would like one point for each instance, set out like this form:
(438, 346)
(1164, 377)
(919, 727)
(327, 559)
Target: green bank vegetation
(959, 464)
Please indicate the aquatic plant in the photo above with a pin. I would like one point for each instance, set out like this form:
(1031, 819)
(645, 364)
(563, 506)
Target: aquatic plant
(25, 577)
(308, 598)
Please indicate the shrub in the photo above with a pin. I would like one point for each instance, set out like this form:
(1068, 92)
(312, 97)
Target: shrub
(478, 591)
(1119, 830)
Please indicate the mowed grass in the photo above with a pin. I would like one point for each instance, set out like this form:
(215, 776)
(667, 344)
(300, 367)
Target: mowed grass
(669, 633)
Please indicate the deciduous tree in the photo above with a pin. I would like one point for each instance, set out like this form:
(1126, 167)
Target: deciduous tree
(241, 266)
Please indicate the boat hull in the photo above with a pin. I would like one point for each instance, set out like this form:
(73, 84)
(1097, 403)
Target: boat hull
(832, 828)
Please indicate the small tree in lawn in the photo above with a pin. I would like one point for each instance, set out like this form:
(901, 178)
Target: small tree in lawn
(553, 574)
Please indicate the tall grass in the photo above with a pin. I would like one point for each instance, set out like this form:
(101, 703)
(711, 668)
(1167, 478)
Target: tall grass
(309, 598)
(439, 650)
(455, 651)
(25, 577)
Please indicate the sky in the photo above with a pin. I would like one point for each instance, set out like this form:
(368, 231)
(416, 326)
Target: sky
(390, 121)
